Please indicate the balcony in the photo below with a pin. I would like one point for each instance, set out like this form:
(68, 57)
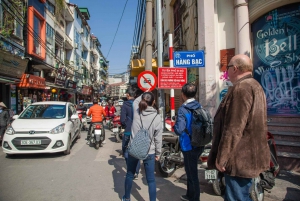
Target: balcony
(68, 42)
(68, 13)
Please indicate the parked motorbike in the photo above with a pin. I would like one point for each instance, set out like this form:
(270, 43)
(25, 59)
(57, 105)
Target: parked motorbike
(82, 117)
(171, 156)
(264, 182)
(117, 128)
(97, 135)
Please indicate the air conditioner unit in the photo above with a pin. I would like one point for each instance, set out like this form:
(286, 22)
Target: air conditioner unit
(76, 46)
(81, 30)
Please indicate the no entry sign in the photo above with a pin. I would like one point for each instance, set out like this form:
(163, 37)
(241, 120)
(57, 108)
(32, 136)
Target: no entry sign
(147, 80)
(171, 78)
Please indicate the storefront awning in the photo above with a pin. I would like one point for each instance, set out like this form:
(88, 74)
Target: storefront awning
(138, 66)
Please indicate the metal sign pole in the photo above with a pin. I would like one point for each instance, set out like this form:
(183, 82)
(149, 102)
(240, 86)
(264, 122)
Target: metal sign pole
(172, 100)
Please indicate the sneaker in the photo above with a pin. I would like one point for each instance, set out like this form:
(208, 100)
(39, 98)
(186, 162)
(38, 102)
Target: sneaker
(124, 199)
(88, 142)
(184, 198)
(135, 176)
(104, 142)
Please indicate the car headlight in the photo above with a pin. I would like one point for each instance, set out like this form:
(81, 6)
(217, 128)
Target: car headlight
(10, 131)
(58, 129)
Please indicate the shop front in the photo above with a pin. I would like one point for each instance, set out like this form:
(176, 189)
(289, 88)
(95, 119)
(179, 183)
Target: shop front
(85, 94)
(12, 67)
(276, 58)
(31, 89)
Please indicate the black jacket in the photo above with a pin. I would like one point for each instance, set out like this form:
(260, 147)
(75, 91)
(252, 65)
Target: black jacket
(127, 116)
(4, 118)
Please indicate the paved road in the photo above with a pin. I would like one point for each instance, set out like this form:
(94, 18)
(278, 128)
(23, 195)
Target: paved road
(84, 175)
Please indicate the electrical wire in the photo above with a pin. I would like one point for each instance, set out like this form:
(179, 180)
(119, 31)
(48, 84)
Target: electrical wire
(117, 29)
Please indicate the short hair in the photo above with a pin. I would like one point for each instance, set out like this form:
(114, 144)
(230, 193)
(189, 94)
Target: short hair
(243, 65)
(130, 91)
(189, 90)
(95, 101)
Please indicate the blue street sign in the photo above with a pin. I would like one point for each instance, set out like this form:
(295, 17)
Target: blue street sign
(189, 59)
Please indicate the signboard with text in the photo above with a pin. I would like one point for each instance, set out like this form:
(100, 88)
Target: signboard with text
(171, 78)
(276, 60)
(189, 59)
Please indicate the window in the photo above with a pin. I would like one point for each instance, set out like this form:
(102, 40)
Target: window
(49, 34)
(11, 18)
(36, 33)
(176, 14)
(50, 7)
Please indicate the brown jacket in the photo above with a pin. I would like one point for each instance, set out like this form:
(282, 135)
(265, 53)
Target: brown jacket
(240, 131)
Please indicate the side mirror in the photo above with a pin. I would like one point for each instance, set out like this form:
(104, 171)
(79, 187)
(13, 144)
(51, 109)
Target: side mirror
(15, 116)
(74, 116)
(174, 118)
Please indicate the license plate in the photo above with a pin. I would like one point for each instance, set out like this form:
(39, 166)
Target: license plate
(97, 132)
(210, 174)
(115, 130)
(31, 142)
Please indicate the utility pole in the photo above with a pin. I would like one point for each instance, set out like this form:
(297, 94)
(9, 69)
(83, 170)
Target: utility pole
(148, 63)
(161, 92)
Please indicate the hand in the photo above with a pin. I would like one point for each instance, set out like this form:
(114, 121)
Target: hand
(220, 168)
(157, 158)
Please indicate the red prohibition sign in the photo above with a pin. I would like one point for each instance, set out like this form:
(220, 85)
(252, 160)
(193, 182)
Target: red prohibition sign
(147, 81)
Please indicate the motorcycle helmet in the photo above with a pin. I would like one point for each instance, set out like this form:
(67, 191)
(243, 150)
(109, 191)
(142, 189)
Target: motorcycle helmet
(81, 101)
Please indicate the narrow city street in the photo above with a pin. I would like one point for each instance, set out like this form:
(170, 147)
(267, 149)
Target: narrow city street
(86, 174)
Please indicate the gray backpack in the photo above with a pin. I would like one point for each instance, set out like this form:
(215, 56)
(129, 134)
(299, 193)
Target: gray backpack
(141, 143)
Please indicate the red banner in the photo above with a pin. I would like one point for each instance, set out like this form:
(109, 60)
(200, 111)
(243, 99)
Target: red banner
(32, 81)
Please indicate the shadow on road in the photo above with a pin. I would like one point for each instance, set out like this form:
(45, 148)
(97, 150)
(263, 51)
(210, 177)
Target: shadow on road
(119, 174)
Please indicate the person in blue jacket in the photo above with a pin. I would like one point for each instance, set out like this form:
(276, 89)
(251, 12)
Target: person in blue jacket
(191, 154)
(126, 121)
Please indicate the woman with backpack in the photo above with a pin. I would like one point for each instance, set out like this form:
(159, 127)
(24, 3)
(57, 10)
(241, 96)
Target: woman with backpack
(145, 116)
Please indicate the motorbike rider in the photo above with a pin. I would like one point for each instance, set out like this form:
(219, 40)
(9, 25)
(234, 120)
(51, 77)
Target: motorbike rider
(82, 107)
(97, 113)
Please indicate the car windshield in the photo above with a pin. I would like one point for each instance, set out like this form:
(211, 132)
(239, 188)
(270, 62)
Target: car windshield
(44, 112)
(88, 105)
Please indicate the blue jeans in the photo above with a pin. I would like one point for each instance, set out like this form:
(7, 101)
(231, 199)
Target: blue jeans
(125, 141)
(237, 188)
(149, 165)
(191, 168)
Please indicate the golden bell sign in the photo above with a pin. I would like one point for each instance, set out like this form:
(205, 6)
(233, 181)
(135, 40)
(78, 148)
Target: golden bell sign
(53, 91)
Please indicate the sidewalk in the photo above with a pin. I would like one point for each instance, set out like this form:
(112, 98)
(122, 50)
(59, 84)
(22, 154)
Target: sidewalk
(287, 187)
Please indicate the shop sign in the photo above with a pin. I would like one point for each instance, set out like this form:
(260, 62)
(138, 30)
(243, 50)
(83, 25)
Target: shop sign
(32, 81)
(225, 57)
(12, 65)
(71, 84)
(189, 59)
(61, 76)
(86, 90)
(276, 58)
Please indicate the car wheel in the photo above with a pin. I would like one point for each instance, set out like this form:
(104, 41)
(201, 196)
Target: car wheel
(68, 150)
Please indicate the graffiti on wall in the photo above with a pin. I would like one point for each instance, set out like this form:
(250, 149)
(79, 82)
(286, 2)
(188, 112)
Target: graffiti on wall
(276, 58)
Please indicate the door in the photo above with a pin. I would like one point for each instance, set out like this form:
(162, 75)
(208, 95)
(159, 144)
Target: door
(71, 123)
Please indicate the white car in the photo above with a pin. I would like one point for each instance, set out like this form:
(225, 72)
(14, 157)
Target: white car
(43, 127)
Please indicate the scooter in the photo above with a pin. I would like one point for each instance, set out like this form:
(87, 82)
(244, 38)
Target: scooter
(97, 135)
(82, 117)
(109, 122)
(171, 157)
(117, 128)
(264, 182)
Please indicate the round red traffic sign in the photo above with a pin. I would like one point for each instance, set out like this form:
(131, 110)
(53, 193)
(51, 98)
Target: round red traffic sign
(147, 81)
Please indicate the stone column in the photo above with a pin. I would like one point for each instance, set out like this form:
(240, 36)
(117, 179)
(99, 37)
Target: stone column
(207, 41)
(242, 27)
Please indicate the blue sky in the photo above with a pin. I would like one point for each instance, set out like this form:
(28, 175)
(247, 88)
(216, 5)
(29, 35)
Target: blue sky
(104, 19)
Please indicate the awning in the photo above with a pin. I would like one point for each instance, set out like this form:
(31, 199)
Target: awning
(8, 80)
(138, 66)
